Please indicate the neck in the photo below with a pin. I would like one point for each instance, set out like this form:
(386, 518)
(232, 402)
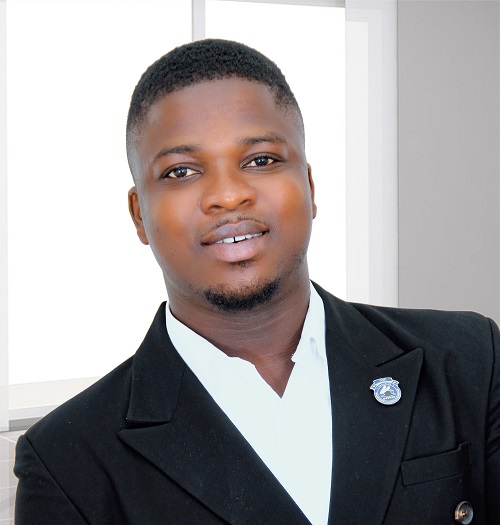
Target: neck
(266, 336)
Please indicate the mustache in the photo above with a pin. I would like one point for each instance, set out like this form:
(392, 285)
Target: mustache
(231, 220)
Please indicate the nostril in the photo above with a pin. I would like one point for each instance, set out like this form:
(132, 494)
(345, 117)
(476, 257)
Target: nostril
(228, 199)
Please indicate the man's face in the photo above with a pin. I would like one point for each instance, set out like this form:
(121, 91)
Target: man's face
(224, 195)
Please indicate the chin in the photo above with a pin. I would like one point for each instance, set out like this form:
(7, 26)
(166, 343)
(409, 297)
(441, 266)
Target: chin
(242, 298)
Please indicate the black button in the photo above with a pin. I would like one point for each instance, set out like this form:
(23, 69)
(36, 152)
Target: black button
(464, 513)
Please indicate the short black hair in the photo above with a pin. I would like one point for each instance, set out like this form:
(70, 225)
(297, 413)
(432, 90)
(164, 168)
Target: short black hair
(204, 61)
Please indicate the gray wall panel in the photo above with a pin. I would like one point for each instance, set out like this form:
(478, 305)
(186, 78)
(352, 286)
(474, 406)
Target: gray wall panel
(449, 156)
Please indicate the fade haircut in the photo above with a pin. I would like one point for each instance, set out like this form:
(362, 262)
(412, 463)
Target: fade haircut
(204, 61)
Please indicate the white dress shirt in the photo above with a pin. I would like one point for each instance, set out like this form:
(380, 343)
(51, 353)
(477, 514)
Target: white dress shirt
(291, 434)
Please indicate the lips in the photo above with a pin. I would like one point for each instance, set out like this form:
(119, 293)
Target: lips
(237, 242)
(230, 233)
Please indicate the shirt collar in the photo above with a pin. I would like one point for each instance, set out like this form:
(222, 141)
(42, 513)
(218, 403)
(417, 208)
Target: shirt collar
(312, 340)
(198, 353)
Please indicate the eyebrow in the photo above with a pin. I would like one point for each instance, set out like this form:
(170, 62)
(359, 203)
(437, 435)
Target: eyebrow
(193, 148)
(250, 141)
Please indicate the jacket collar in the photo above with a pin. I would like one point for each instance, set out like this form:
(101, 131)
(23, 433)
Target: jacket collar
(156, 376)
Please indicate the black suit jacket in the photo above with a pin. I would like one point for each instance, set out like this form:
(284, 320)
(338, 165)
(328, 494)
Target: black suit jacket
(148, 445)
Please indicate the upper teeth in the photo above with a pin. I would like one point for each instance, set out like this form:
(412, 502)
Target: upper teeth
(239, 238)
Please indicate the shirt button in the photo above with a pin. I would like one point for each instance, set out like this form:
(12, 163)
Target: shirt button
(464, 513)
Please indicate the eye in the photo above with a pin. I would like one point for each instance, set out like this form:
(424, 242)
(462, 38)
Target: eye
(261, 161)
(179, 172)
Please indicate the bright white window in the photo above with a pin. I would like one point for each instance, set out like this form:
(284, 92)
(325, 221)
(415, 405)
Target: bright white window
(82, 289)
(308, 44)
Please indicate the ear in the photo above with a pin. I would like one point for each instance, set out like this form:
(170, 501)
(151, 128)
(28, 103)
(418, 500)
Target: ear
(311, 187)
(134, 208)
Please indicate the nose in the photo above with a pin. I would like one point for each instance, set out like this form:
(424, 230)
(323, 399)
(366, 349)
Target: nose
(227, 189)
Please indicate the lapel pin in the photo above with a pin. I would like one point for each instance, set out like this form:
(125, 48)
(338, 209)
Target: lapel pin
(386, 390)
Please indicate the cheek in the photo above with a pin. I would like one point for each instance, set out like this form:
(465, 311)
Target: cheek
(167, 227)
(293, 211)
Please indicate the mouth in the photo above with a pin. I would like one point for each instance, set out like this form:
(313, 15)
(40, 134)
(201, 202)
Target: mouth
(237, 242)
(235, 232)
(239, 238)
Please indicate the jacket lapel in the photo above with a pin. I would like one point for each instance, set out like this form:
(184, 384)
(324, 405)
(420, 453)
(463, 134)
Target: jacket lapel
(368, 437)
(175, 424)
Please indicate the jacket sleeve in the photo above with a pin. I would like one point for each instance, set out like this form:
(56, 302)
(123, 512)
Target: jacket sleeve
(39, 498)
(493, 435)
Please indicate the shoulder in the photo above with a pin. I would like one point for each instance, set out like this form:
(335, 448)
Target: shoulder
(103, 407)
(453, 332)
(422, 327)
(105, 401)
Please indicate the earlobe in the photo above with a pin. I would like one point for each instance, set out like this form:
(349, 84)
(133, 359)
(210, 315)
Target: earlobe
(311, 188)
(134, 208)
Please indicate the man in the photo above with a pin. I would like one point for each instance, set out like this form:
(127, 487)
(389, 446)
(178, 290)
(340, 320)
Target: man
(256, 397)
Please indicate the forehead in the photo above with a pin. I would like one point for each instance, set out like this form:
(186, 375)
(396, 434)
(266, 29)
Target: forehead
(215, 111)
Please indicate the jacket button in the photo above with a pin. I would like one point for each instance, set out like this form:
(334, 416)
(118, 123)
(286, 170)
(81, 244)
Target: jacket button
(464, 513)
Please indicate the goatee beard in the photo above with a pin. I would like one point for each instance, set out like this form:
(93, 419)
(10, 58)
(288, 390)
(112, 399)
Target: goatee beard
(244, 299)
